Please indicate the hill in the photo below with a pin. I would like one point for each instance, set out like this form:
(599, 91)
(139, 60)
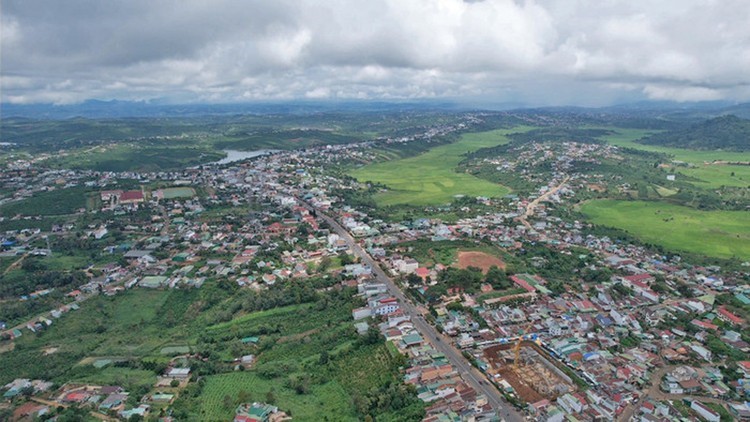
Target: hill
(726, 132)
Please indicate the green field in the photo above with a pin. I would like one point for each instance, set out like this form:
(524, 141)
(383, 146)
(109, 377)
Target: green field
(136, 157)
(55, 202)
(430, 178)
(721, 234)
(328, 399)
(711, 175)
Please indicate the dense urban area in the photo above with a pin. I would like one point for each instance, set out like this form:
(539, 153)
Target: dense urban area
(544, 265)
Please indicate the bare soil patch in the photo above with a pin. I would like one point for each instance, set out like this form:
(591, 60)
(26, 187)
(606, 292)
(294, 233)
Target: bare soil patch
(479, 260)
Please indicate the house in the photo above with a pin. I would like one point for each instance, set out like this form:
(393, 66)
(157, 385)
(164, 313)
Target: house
(644, 278)
(705, 412)
(361, 313)
(178, 373)
(258, 412)
(704, 325)
(99, 233)
(108, 195)
(30, 411)
(523, 284)
(570, 403)
(727, 316)
(702, 352)
(131, 197)
(141, 410)
(114, 402)
(412, 340)
(407, 266)
(744, 366)
(384, 305)
(422, 273)
(740, 410)
(162, 398)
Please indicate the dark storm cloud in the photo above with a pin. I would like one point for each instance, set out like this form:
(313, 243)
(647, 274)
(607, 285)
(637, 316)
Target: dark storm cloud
(541, 51)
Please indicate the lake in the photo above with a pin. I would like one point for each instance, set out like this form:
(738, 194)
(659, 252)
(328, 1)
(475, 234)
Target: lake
(234, 155)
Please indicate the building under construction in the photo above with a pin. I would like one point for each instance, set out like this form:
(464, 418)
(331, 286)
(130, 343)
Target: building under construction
(527, 368)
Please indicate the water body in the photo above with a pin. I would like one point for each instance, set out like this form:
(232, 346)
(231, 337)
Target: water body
(234, 155)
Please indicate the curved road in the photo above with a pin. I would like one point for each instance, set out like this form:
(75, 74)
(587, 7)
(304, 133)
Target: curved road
(533, 204)
(655, 393)
(471, 375)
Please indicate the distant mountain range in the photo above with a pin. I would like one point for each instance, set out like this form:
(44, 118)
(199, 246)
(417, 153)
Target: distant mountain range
(726, 133)
(97, 109)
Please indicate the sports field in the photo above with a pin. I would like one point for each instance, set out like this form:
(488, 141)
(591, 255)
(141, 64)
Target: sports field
(430, 178)
(721, 234)
(711, 175)
(180, 192)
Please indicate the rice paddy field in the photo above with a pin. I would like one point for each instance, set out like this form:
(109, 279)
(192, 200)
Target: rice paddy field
(721, 234)
(431, 178)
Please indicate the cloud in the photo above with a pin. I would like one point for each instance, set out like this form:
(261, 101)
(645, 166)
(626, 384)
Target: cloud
(541, 51)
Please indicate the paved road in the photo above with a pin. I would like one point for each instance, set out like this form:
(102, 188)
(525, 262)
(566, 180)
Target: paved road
(470, 374)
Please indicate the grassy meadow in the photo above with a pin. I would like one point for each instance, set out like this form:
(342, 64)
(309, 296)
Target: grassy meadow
(430, 178)
(721, 234)
(710, 175)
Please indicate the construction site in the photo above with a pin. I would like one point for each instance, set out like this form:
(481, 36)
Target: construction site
(527, 369)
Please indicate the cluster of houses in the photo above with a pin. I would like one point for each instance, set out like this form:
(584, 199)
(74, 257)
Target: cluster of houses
(438, 383)
(584, 329)
(104, 400)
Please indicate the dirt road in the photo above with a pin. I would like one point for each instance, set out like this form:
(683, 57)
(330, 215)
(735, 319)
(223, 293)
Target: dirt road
(533, 204)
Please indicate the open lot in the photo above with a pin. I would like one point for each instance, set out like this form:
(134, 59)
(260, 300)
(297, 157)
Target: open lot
(479, 260)
(721, 234)
(430, 178)
(529, 370)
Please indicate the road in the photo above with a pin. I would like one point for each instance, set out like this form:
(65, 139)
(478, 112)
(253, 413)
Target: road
(54, 405)
(654, 392)
(471, 375)
(15, 264)
(533, 204)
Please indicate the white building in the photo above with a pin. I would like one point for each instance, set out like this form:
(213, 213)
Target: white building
(705, 412)
(361, 313)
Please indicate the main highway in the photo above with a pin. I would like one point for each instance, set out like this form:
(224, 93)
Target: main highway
(471, 375)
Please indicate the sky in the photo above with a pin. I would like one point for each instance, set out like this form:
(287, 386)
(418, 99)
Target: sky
(535, 52)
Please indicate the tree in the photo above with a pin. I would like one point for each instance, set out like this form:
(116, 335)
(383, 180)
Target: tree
(227, 401)
(323, 357)
(345, 258)
(325, 263)
(497, 278)
(244, 396)
(373, 336)
(270, 397)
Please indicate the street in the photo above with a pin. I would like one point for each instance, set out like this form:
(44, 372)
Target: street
(471, 375)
